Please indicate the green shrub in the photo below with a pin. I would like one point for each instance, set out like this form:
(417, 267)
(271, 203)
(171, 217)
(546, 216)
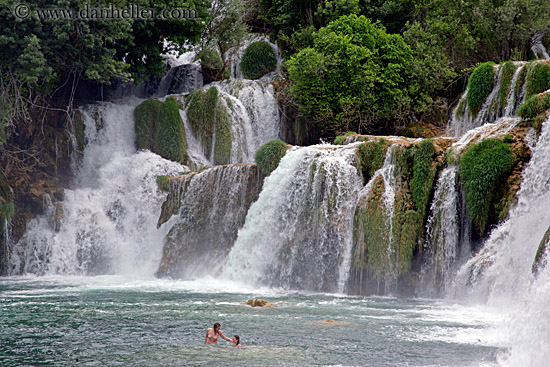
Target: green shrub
(339, 140)
(481, 169)
(534, 106)
(159, 128)
(212, 64)
(269, 155)
(480, 85)
(222, 146)
(423, 174)
(537, 79)
(371, 157)
(508, 70)
(258, 59)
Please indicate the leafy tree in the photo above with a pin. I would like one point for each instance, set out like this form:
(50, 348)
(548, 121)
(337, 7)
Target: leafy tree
(355, 77)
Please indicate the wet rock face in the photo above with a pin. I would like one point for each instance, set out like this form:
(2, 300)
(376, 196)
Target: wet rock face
(211, 207)
(181, 79)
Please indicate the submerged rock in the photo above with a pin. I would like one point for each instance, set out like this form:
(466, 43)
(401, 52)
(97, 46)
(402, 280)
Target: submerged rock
(258, 302)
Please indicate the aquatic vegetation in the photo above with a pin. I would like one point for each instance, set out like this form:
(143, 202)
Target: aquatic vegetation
(537, 79)
(508, 70)
(223, 143)
(269, 155)
(258, 59)
(371, 157)
(481, 169)
(159, 128)
(339, 140)
(423, 174)
(480, 85)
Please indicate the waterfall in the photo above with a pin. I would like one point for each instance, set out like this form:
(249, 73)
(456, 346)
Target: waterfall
(502, 268)
(501, 273)
(107, 222)
(373, 231)
(502, 101)
(254, 117)
(211, 206)
(298, 233)
(441, 249)
(538, 48)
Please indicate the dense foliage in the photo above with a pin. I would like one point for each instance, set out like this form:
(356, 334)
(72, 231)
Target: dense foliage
(481, 168)
(537, 79)
(159, 128)
(258, 59)
(355, 77)
(269, 155)
(480, 85)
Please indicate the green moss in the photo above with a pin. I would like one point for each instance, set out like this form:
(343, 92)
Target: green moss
(371, 157)
(212, 64)
(482, 168)
(480, 85)
(339, 140)
(79, 128)
(540, 256)
(222, 146)
(269, 155)
(258, 59)
(201, 112)
(534, 106)
(163, 183)
(537, 79)
(159, 128)
(407, 240)
(508, 70)
(423, 174)
(146, 115)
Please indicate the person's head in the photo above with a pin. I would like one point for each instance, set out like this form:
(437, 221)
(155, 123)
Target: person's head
(236, 339)
(217, 327)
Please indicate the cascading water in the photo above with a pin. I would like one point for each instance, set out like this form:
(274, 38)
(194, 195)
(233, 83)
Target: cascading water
(441, 248)
(298, 233)
(496, 105)
(538, 48)
(211, 206)
(107, 223)
(501, 272)
(254, 117)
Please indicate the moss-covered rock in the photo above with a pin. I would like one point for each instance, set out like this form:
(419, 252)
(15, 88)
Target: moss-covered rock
(423, 175)
(208, 117)
(482, 169)
(371, 157)
(534, 109)
(507, 74)
(159, 128)
(269, 155)
(212, 65)
(208, 224)
(258, 59)
(339, 140)
(537, 79)
(480, 85)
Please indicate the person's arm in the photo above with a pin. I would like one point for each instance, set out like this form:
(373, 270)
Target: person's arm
(224, 337)
(206, 337)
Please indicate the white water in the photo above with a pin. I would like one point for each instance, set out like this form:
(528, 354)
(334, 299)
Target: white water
(442, 227)
(538, 48)
(254, 115)
(501, 273)
(298, 233)
(463, 120)
(109, 220)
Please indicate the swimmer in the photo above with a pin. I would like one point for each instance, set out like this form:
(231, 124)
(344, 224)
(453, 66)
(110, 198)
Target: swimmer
(213, 333)
(237, 341)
